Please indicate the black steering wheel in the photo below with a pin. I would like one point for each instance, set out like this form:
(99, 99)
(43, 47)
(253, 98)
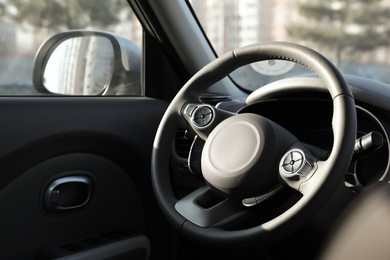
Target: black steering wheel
(247, 159)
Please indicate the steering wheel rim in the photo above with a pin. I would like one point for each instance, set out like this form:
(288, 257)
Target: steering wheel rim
(316, 191)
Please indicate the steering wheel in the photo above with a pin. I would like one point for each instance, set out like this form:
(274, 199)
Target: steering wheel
(247, 159)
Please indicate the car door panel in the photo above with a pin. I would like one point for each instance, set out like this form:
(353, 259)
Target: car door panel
(108, 140)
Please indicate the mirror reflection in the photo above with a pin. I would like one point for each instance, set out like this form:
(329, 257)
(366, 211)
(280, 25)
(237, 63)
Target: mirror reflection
(80, 66)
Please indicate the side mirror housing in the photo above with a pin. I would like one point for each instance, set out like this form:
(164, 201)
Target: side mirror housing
(82, 62)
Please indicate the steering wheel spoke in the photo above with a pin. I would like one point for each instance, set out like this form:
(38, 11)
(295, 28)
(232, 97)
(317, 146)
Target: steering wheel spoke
(203, 208)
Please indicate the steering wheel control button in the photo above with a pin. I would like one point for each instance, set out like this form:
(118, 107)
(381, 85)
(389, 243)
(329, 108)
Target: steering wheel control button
(203, 116)
(294, 163)
(190, 110)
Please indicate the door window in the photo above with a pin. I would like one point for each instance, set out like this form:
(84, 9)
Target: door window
(26, 24)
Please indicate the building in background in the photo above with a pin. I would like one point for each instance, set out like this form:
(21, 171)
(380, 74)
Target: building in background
(233, 23)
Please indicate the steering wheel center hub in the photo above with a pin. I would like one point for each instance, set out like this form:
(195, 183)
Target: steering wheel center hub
(233, 149)
(232, 158)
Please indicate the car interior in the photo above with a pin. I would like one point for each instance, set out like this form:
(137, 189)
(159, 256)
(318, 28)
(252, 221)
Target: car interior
(171, 150)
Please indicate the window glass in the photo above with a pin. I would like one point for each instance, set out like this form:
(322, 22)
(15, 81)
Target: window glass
(354, 35)
(26, 24)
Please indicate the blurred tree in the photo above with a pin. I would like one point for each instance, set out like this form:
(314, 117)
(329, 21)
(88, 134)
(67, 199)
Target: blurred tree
(344, 26)
(45, 17)
(69, 14)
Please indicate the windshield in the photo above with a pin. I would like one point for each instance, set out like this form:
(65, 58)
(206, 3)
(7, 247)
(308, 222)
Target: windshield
(353, 34)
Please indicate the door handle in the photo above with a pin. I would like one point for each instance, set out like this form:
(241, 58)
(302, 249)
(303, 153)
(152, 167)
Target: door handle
(68, 193)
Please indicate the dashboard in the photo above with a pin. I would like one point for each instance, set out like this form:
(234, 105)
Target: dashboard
(309, 117)
(303, 106)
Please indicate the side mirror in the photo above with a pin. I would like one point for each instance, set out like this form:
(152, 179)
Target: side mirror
(81, 62)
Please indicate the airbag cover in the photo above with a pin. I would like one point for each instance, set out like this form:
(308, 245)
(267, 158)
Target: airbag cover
(233, 158)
